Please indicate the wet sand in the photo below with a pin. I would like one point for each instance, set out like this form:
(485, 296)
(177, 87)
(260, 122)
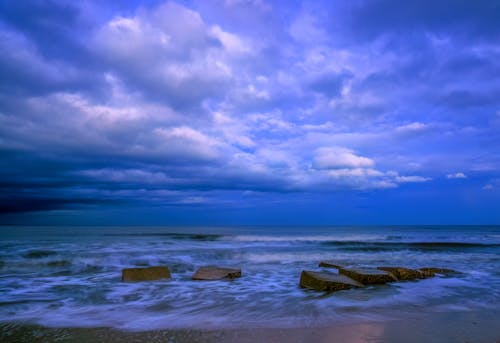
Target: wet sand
(470, 327)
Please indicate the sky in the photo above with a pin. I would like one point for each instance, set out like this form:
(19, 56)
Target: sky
(249, 112)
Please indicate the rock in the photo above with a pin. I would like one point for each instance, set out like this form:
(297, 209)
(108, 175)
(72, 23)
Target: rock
(369, 276)
(431, 271)
(216, 273)
(322, 281)
(403, 274)
(330, 264)
(145, 274)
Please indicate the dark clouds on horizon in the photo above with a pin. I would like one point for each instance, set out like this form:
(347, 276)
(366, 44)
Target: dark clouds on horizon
(250, 108)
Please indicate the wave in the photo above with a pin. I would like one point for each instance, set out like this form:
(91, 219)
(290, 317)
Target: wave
(370, 240)
(179, 236)
(59, 263)
(384, 246)
(39, 253)
(312, 238)
(453, 244)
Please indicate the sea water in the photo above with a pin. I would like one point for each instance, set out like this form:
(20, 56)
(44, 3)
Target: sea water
(71, 276)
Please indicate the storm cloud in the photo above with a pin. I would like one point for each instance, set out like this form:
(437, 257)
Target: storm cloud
(245, 104)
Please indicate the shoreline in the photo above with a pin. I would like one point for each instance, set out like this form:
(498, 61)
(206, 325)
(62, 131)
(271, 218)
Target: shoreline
(470, 326)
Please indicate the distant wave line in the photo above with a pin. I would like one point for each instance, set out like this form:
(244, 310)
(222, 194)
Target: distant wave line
(414, 244)
(200, 237)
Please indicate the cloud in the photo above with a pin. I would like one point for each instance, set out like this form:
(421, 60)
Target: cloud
(356, 172)
(25, 72)
(458, 175)
(187, 103)
(169, 53)
(231, 42)
(407, 179)
(412, 127)
(329, 158)
(187, 141)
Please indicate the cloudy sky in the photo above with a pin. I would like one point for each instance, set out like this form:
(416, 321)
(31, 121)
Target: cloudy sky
(250, 112)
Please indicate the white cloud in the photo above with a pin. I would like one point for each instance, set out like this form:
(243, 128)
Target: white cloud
(458, 175)
(233, 130)
(411, 178)
(412, 127)
(328, 126)
(192, 200)
(170, 52)
(270, 121)
(233, 43)
(395, 177)
(188, 141)
(186, 133)
(334, 157)
(355, 172)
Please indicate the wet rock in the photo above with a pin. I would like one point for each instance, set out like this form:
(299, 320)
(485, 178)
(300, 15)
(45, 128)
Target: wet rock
(145, 274)
(369, 276)
(431, 271)
(216, 273)
(403, 274)
(322, 281)
(330, 264)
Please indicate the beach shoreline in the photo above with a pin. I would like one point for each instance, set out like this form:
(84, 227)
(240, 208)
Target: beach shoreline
(464, 326)
(65, 286)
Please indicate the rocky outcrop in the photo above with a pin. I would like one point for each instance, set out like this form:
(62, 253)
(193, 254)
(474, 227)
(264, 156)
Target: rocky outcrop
(330, 264)
(145, 274)
(369, 276)
(403, 274)
(431, 271)
(216, 273)
(322, 281)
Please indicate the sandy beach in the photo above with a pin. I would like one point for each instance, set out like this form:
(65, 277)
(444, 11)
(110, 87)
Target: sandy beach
(466, 327)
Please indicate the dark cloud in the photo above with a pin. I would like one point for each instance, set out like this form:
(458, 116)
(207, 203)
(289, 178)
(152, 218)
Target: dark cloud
(52, 26)
(25, 73)
(167, 104)
(19, 204)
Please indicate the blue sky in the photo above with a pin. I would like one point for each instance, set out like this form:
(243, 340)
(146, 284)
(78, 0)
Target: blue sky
(250, 112)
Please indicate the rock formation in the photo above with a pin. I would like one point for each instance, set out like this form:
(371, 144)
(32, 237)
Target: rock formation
(431, 271)
(330, 264)
(216, 273)
(369, 276)
(145, 274)
(403, 274)
(321, 281)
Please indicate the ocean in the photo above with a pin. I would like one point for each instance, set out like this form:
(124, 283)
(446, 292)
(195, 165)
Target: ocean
(71, 276)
